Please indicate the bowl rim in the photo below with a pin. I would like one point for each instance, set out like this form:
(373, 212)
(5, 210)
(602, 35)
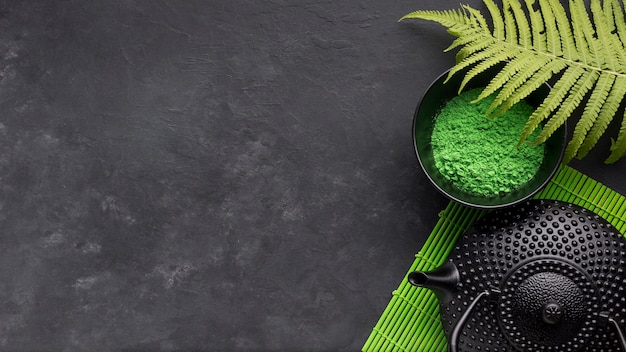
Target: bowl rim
(530, 194)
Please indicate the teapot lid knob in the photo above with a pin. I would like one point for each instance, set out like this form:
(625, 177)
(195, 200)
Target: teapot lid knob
(552, 313)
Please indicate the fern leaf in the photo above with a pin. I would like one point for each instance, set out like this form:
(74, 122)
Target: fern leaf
(496, 18)
(498, 81)
(618, 149)
(615, 17)
(537, 27)
(609, 17)
(604, 36)
(447, 18)
(576, 95)
(472, 48)
(491, 51)
(481, 67)
(591, 112)
(618, 19)
(587, 44)
(552, 101)
(604, 116)
(552, 32)
(525, 36)
(471, 36)
(604, 41)
(582, 47)
(509, 22)
(585, 49)
(565, 30)
(476, 16)
(526, 82)
(520, 69)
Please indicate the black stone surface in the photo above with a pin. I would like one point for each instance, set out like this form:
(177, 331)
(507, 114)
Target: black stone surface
(212, 175)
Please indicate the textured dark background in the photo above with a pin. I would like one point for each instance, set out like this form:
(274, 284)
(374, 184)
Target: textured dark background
(215, 175)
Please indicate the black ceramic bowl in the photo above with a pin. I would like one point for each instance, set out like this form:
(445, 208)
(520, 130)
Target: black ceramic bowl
(433, 101)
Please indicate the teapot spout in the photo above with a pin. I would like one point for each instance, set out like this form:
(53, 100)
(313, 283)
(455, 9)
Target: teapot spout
(442, 280)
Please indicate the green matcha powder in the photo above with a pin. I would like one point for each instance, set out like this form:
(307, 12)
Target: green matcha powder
(479, 155)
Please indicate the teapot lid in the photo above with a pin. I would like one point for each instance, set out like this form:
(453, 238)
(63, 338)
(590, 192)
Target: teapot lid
(548, 303)
(557, 268)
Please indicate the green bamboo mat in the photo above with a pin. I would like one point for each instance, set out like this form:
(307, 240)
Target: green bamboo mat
(411, 320)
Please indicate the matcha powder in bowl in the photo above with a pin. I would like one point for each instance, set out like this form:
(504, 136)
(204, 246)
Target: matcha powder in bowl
(480, 155)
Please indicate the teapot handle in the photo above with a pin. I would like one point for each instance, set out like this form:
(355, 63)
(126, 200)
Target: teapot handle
(458, 327)
(615, 324)
(456, 331)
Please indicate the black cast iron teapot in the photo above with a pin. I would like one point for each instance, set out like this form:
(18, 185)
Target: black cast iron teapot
(539, 276)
